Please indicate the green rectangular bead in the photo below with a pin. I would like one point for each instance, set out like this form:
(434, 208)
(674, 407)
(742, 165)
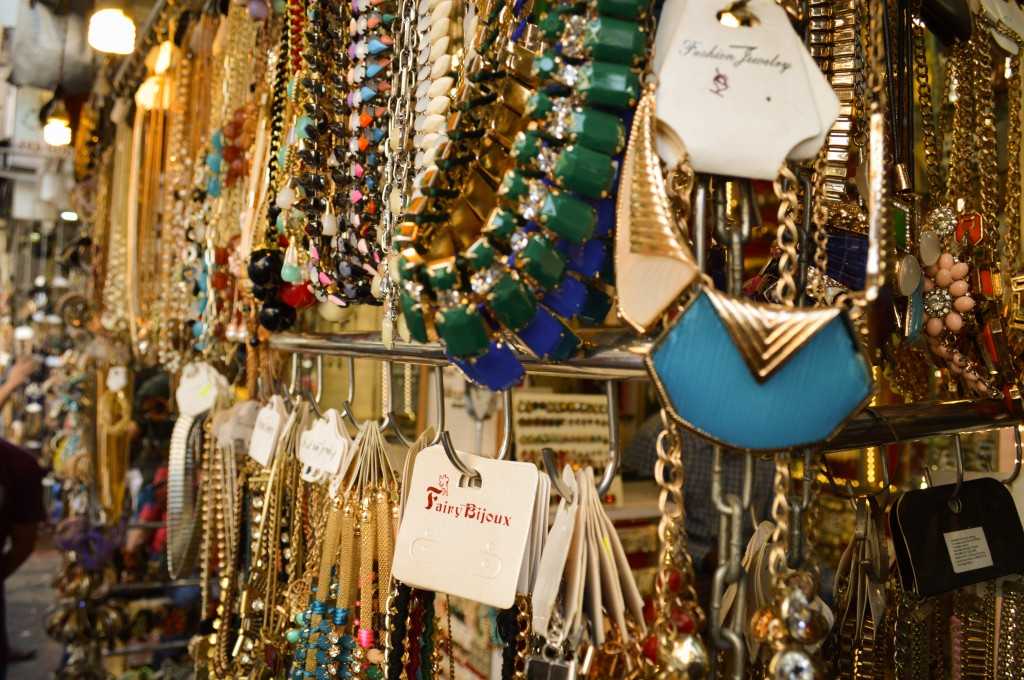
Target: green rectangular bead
(463, 331)
(584, 171)
(568, 217)
(542, 262)
(512, 303)
(614, 40)
(611, 85)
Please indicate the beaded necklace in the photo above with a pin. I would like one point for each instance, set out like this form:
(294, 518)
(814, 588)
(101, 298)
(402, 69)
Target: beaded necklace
(513, 244)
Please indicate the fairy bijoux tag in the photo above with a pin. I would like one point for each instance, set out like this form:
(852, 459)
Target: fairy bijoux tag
(743, 98)
(324, 448)
(466, 541)
(199, 389)
(269, 423)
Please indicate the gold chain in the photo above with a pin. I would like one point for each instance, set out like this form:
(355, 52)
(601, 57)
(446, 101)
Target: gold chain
(986, 146)
(926, 107)
(787, 236)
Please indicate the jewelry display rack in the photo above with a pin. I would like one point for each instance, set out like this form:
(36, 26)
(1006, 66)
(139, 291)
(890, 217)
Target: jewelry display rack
(874, 426)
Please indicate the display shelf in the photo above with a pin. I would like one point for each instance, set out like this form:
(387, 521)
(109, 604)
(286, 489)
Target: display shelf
(612, 360)
(613, 357)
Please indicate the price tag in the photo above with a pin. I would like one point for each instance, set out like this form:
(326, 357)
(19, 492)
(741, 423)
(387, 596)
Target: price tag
(199, 389)
(323, 447)
(267, 430)
(739, 97)
(466, 541)
(235, 432)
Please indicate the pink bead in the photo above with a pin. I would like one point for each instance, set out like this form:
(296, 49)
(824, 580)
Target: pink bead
(357, 170)
(958, 289)
(934, 327)
(955, 369)
(356, 196)
(314, 253)
(954, 322)
(946, 261)
(325, 280)
(943, 278)
(366, 638)
(963, 304)
(334, 299)
(959, 271)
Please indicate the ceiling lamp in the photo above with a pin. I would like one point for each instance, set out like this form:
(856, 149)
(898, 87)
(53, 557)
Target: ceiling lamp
(111, 31)
(57, 129)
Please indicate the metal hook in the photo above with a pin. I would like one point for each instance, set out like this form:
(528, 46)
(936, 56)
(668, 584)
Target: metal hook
(293, 381)
(614, 454)
(557, 483)
(319, 377)
(346, 406)
(954, 498)
(1017, 457)
(507, 442)
(470, 477)
(390, 420)
(312, 400)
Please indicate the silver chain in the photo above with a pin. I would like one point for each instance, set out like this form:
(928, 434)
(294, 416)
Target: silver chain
(731, 511)
(398, 159)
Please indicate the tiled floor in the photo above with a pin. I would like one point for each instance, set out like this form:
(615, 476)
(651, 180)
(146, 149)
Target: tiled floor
(29, 596)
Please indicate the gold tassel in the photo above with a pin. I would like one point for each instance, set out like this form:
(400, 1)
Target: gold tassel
(385, 547)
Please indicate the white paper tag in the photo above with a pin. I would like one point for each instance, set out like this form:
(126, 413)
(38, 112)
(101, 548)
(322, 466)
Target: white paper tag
(538, 531)
(466, 541)
(999, 10)
(323, 447)
(552, 560)
(968, 549)
(117, 378)
(199, 389)
(267, 430)
(740, 98)
(235, 432)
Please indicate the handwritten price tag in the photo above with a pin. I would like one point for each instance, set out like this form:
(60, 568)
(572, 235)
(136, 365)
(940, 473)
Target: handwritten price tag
(323, 447)
(267, 430)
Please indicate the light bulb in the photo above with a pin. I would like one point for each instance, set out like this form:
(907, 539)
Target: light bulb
(112, 31)
(57, 132)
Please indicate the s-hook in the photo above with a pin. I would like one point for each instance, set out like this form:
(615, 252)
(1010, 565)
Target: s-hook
(470, 477)
(614, 454)
(390, 420)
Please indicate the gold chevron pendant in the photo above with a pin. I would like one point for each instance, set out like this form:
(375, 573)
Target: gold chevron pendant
(653, 263)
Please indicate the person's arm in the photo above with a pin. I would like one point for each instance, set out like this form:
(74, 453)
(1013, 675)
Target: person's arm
(19, 373)
(23, 542)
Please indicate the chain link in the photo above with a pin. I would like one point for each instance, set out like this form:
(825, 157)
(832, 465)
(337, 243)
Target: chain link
(926, 106)
(985, 126)
(673, 557)
(787, 236)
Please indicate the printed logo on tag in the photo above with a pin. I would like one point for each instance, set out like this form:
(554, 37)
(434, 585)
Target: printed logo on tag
(465, 541)
(968, 549)
(741, 99)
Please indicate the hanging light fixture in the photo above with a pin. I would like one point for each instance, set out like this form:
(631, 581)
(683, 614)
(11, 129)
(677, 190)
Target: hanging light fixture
(57, 128)
(111, 31)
